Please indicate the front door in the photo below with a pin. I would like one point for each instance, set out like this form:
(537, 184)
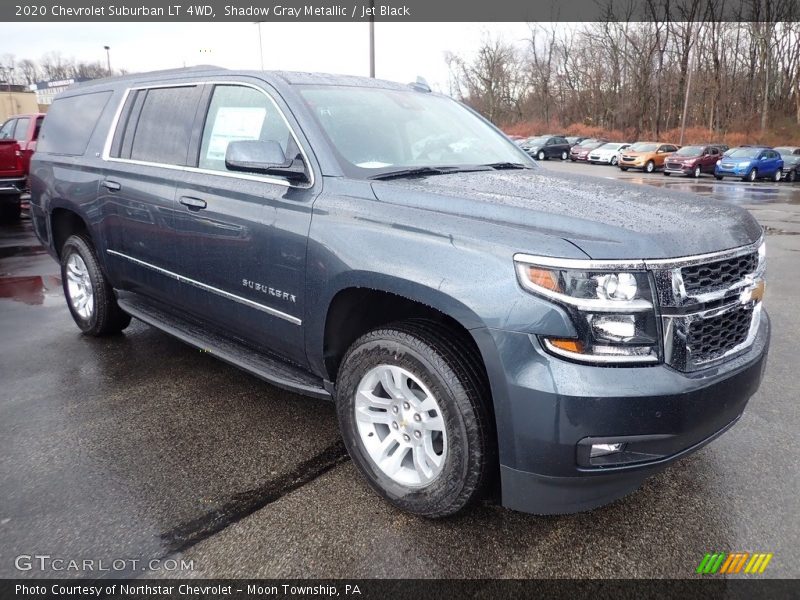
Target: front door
(241, 238)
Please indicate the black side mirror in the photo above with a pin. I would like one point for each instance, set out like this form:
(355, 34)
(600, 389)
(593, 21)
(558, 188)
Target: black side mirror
(255, 156)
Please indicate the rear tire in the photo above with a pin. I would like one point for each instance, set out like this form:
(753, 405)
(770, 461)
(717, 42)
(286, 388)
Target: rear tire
(11, 210)
(541, 155)
(421, 360)
(90, 298)
(564, 155)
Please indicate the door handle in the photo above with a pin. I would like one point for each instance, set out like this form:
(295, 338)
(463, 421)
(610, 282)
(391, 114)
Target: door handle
(193, 203)
(111, 186)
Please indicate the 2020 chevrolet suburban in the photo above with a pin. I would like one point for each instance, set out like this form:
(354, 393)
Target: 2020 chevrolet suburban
(481, 323)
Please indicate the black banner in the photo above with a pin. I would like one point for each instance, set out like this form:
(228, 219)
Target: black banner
(400, 10)
(379, 589)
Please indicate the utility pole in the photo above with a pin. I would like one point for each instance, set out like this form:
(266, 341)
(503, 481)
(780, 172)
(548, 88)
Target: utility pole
(260, 45)
(372, 38)
(108, 57)
(692, 67)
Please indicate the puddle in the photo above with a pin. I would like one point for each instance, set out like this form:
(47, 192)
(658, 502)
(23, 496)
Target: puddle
(30, 289)
(775, 231)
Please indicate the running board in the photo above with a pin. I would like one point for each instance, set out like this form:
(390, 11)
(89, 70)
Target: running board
(272, 370)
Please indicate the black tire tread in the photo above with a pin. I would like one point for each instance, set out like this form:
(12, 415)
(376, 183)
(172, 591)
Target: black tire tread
(461, 367)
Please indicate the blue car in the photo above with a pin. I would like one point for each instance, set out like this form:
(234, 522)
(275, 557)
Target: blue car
(750, 163)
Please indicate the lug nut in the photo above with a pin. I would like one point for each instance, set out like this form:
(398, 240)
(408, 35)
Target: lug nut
(406, 438)
(417, 434)
(395, 425)
(394, 409)
(417, 417)
(406, 405)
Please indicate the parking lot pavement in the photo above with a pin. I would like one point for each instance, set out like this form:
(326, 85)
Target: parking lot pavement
(139, 447)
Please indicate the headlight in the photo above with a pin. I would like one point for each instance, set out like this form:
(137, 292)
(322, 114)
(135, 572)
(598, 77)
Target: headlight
(744, 163)
(613, 310)
(719, 161)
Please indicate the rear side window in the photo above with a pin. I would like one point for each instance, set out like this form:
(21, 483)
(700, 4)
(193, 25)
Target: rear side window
(70, 123)
(164, 127)
(38, 128)
(21, 131)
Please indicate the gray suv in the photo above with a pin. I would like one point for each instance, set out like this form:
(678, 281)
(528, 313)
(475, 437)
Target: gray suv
(485, 327)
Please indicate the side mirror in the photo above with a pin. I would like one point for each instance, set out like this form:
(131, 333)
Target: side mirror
(255, 156)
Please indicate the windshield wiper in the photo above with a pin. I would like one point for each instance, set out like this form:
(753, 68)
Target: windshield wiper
(422, 171)
(506, 165)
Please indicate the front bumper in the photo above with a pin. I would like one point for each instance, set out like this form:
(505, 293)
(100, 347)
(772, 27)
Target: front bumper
(678, 170)
(595, 158)
(736, 171)
(549, 407)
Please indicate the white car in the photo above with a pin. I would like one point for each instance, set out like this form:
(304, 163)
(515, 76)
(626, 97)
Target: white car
(607, 153)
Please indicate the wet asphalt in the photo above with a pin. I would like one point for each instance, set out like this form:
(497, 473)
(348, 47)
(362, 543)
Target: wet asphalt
(138, 447)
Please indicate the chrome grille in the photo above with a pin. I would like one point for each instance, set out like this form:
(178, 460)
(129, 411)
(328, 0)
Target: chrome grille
(718, 274)
(710, 305)
(709, 339)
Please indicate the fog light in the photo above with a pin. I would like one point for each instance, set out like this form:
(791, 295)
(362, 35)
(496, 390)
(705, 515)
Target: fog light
(605, 449)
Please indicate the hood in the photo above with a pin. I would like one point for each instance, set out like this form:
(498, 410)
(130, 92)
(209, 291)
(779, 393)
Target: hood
(607, 219)
(638, 152)
(791, 159)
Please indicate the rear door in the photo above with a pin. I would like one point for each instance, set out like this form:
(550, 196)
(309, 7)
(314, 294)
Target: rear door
(242, 237)
(147, 154)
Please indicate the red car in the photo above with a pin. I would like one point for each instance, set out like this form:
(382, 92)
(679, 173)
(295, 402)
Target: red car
(18, 137)
(581, 151)
(693, 160)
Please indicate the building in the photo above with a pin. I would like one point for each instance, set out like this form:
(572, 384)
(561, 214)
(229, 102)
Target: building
(46, 91)
(15, 100)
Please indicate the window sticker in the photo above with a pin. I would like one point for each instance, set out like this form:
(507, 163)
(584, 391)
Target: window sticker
(234, 123)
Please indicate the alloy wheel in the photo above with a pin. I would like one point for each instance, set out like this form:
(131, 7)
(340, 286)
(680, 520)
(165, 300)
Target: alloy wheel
(79, 287)
(401, 425)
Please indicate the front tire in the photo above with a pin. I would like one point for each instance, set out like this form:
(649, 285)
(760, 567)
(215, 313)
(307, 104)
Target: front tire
(650, 167)
(791, 177)
(697, 172)
(412, 407)
(667, 174)
(718, 177)
(541, 155)
(751, 176)
(614, 161)
(623, 168)
(90, 298)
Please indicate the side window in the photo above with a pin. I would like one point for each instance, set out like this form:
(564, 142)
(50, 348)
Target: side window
(70, 123)
(38, 128)
(7, 130)
(164, 127)
(239, 113)
(562, 140)
(713, 151)
(21, 130)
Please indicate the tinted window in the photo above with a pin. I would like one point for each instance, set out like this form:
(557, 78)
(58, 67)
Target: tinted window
(7, 130)
(70, 123)
(164, 127)
(21, 131)
(38, 128)
(239, 113)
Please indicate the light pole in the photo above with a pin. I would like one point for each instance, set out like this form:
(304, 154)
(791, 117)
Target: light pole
(372, 39)
(260, 45)
(108, 57)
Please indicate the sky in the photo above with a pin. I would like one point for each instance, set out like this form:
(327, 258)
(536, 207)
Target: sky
(403, 51)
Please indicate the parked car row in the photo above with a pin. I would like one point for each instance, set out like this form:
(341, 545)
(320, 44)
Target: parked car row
(749, 163)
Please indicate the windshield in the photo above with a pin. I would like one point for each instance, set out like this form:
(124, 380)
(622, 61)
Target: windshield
(611, 146)
(643, 147)
(784, 150)
(377, 130)
(591, 145)
(744, 153)
(690, 151)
